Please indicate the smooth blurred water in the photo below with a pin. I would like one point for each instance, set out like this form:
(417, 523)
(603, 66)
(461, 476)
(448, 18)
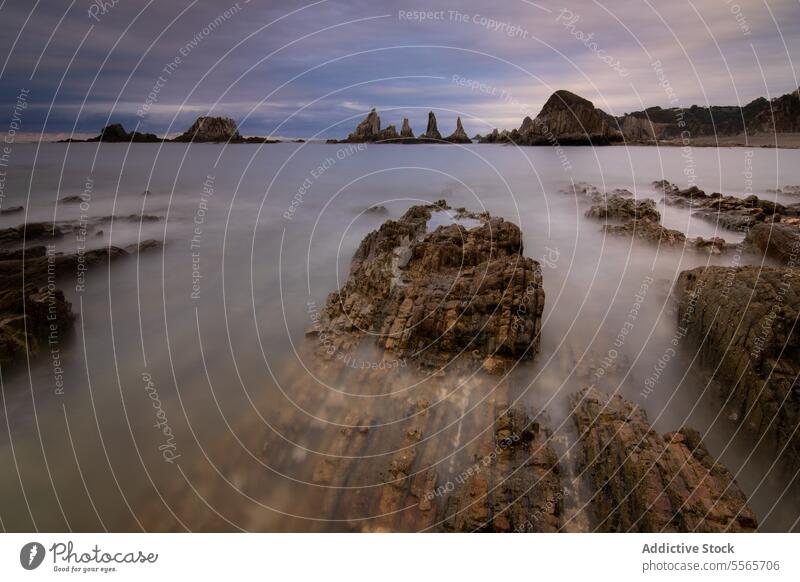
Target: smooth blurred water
(254, 235)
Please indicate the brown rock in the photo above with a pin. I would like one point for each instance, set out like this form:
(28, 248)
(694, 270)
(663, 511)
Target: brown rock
(405, 131)
(515, 487)
(775, 239)
(211, 129)
(644, 482)
(437, 296)
(28, 317)
(432, 132)
(459, 135)
(743, 321)
(621, 208)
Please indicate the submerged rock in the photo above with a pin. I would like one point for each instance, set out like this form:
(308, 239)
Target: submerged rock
(12, 210)
(441, 295)
(516, 487)
(743, 322)
(29, 317)
(645, 482)
(30, 231)
(648, 230)
(654, 232)
(617, 207)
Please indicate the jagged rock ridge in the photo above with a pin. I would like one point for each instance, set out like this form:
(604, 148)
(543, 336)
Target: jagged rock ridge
(437, 296)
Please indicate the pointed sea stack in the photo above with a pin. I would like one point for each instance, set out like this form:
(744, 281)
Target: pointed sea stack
(368, 130)
(405, 131)
(459, 135)
(432, 132)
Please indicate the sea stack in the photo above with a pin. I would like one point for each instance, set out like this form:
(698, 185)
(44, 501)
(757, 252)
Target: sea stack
(368, 130)
(459, 135)
(405, 131)
(432, 132)
(211, 129)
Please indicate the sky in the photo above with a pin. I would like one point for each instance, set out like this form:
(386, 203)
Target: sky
(314, 69)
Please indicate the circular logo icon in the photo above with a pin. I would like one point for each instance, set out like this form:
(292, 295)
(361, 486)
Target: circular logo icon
(31, 555)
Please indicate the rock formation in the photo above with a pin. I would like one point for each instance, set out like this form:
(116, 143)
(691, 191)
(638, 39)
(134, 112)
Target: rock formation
(459, 135)
(28, 317)
(567, 118)
(760, 116)
(616, 207)
(572, 119)
(115, 133)
(641, 481)
(405, 131)
(441, 295)
(728, 212)
(743, 322)
(516, 489)
(432, 132)
(30, 301)
(369, 130)
(775, 239)
(211, 129)
(639, 218)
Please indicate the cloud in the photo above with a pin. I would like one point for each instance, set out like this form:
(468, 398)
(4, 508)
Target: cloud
(300, 67)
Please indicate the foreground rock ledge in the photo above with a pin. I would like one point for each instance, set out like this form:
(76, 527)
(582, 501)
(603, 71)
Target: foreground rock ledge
(436, 296)
(744, 322)
(645, 482)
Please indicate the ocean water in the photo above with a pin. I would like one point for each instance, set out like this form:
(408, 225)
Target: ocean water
(198, 343)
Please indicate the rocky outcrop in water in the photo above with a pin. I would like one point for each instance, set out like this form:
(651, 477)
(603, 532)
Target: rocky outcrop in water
(441, 295)
(405, 131)
(115, 133)
(565, 119)
(211, 130)
(645, 482)
(743, 322)
(656, 233)
(369, 131)
(730, 212)
(571, 119)
(29, 318)
(30, 231)
(432, 131)
(775, 239)
(459, 135)
(616, 207)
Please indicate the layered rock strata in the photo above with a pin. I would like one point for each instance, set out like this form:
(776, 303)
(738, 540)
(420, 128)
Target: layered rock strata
(645, 482)
(436, 296)
(744, 323)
